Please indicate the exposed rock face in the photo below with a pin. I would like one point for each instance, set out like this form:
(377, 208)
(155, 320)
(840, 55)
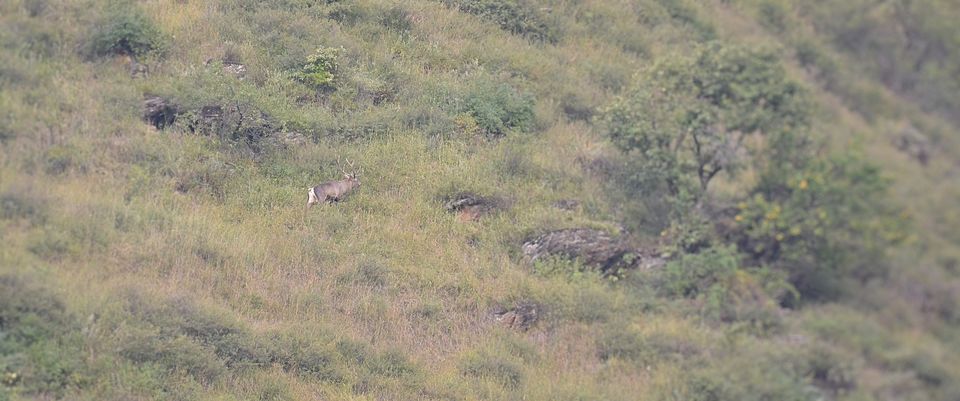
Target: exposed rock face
(471, 207)
(521, 317)
(594, 248)
(159, 112)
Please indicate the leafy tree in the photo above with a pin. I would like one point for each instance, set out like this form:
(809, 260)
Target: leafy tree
(687, 118)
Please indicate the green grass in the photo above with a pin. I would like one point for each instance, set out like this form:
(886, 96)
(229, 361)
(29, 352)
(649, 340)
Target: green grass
(138, 263)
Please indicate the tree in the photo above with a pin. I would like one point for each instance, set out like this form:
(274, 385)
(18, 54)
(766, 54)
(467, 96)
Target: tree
(687, 118)
(815, 217)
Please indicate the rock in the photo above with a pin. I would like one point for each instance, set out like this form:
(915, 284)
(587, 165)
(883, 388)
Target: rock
(236, 69)
(914, 144)
(567, 204)
(593, 248)
(291, 138)
(471, 207)
(520, 317)
(159, 112)
(138, 70)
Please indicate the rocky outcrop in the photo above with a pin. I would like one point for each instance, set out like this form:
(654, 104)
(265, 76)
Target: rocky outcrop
(594, 248)
(471, 207)
(520, 317)
(913, 143)
(159, 112)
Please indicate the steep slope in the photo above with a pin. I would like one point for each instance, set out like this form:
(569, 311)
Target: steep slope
(164, 253)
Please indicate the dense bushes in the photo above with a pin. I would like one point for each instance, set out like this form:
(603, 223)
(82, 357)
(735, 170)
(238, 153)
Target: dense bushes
(126, 30)
(498, 109)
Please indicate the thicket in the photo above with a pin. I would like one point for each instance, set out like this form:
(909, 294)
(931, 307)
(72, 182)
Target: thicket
(516, 16)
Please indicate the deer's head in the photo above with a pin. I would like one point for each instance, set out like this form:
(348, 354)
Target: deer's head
(353, 175)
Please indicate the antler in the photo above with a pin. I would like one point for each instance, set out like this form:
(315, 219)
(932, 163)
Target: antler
(355, 171)
(340, 166)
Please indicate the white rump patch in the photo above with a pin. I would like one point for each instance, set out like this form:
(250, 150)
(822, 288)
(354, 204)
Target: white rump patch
(312, 197)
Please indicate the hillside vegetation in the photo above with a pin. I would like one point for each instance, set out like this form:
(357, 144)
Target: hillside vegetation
(561, 200)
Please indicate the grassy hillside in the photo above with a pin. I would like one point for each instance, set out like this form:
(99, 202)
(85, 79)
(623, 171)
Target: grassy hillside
(782, 178)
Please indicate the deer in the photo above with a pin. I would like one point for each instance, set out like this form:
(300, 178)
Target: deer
(334, 191)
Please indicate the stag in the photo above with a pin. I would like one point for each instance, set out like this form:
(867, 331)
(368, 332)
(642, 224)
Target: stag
(334, 191)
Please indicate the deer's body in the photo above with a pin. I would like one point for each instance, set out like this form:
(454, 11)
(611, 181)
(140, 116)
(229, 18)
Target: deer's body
(332, 191)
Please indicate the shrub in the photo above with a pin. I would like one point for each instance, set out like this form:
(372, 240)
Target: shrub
(821, 223)
(320, 69)
(495, 368)
(499, 109)
(515, 16)
(127, 31)
(60, 159)
(391, 364)
(700, 274)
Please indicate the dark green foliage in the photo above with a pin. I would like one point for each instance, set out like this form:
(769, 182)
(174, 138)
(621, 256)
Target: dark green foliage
(515, 16)
(126, 31)
(820, 223)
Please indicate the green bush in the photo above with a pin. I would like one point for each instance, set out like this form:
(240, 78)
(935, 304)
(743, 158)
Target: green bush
(499, 109)
(320, 69)
(126, 30)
